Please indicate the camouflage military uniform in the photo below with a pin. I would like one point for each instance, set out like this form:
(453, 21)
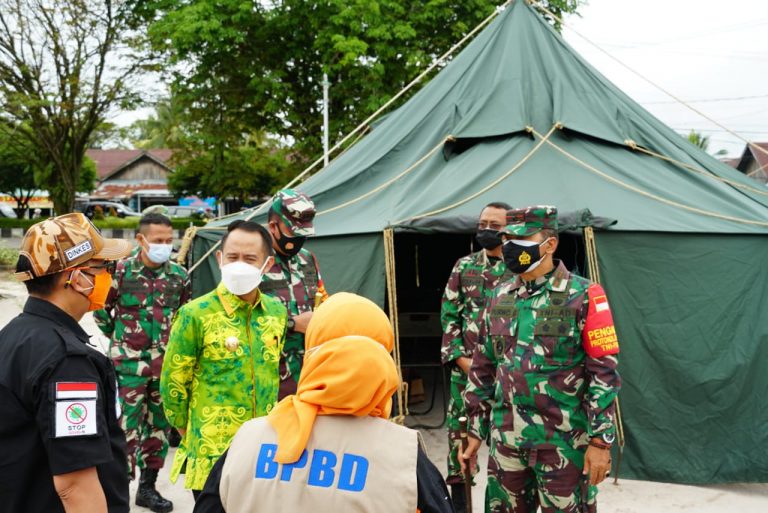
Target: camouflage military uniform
(137, 319)
(472, 279)
(295, 281)
(540, 397)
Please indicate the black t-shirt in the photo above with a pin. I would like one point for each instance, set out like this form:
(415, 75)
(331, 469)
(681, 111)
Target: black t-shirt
(59, 412)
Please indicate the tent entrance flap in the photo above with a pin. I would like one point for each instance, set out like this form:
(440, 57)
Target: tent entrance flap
(424, 263)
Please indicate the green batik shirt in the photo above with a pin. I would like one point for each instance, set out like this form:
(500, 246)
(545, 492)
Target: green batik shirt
(531, 382)
(471, 281)
(220, 370)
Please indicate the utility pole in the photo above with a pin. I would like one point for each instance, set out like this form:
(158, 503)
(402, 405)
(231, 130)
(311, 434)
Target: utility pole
(326, 84)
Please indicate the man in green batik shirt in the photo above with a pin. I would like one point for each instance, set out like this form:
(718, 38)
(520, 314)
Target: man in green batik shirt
(543, 378)
(472, 279)
(221, 365)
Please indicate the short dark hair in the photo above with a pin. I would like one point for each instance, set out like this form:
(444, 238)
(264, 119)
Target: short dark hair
(498, 204)
(42, 286)
(250, 227)
(153, 218)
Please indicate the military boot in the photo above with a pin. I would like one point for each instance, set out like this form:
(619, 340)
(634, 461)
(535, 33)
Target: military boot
(147, 495)
(459, 498)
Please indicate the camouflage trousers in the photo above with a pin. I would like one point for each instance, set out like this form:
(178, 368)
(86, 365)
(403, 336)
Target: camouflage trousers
(456, 410)
(290, 364)
(521, 480)
(143, 421)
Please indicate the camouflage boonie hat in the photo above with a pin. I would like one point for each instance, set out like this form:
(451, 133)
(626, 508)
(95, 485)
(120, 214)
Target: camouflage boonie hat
(523, 222)
(296, 210)
(64, 242)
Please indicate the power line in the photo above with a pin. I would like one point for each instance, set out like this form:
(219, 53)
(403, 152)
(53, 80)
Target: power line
(709, 100)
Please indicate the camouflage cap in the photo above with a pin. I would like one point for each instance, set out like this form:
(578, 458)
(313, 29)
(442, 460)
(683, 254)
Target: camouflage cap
(523, 222)
(64, 242)
(296, 210)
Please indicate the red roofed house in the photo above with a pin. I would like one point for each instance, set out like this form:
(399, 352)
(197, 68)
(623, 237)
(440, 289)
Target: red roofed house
(138, 178)
(754, 162)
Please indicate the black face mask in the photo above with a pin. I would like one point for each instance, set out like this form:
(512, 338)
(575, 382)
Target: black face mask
(488, 239)
(519, 258)
(290, 246)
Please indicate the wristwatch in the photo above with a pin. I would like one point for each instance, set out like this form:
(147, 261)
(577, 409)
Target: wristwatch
(290, 324)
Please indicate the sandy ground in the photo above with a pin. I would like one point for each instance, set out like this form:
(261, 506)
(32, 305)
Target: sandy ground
(627, 497)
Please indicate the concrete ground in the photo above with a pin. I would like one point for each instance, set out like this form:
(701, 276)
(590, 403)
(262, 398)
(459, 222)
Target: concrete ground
(628, 496)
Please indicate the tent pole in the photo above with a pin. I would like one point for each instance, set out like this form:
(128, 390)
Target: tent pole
(594, 275)
(389, 266)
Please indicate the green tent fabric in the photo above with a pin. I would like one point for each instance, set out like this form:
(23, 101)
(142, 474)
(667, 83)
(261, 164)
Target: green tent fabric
(473, 135)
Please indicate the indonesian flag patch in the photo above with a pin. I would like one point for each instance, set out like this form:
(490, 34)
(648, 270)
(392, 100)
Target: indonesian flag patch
(76, 409)
(599, 335)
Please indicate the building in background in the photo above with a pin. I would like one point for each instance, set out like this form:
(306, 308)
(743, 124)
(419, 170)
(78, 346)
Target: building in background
(753, 161)
(138, 178)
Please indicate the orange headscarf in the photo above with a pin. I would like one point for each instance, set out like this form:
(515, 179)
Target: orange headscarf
(345, 314)
(347, 372)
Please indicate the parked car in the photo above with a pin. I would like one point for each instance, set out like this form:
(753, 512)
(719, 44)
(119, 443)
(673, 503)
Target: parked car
(6, 211)
(179, 211)
(106, 207)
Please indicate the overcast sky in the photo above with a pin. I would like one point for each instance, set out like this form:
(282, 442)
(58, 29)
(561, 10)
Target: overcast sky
(713, 54)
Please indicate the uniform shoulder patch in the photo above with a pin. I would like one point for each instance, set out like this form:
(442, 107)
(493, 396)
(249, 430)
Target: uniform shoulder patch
(75, 410)
(599, 335)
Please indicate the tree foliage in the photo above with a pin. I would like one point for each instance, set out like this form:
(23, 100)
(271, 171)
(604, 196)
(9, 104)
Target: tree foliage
(256, 66)
(21, 174)
(251, 169)
(17, 178)
(63, 65)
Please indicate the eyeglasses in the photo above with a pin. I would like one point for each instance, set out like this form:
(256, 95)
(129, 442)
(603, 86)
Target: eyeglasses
(109, 266)
(489, 226)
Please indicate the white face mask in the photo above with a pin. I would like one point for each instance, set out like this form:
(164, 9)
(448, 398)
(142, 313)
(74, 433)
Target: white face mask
(159, 253)
(241, 278)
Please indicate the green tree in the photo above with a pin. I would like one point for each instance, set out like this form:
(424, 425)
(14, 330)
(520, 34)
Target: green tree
(257, 66)
(17, 178)
(163, 129)
(20, 174)
(252, 169)
(63, 65)
(702, 141)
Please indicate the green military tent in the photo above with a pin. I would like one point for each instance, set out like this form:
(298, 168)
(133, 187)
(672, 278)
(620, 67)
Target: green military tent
(519, 117)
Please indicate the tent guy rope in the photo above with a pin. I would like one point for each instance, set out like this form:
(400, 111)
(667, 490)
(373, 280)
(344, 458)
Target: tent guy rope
(637, 190)
(404, 90)
(633, 145)
(493, 184)
(388, 182)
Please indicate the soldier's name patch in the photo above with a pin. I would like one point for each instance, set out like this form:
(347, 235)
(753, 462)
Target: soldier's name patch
(472, 281)
(501, 311)
(558, 312)
(79, 250)
(268, 286)
(75, 413)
